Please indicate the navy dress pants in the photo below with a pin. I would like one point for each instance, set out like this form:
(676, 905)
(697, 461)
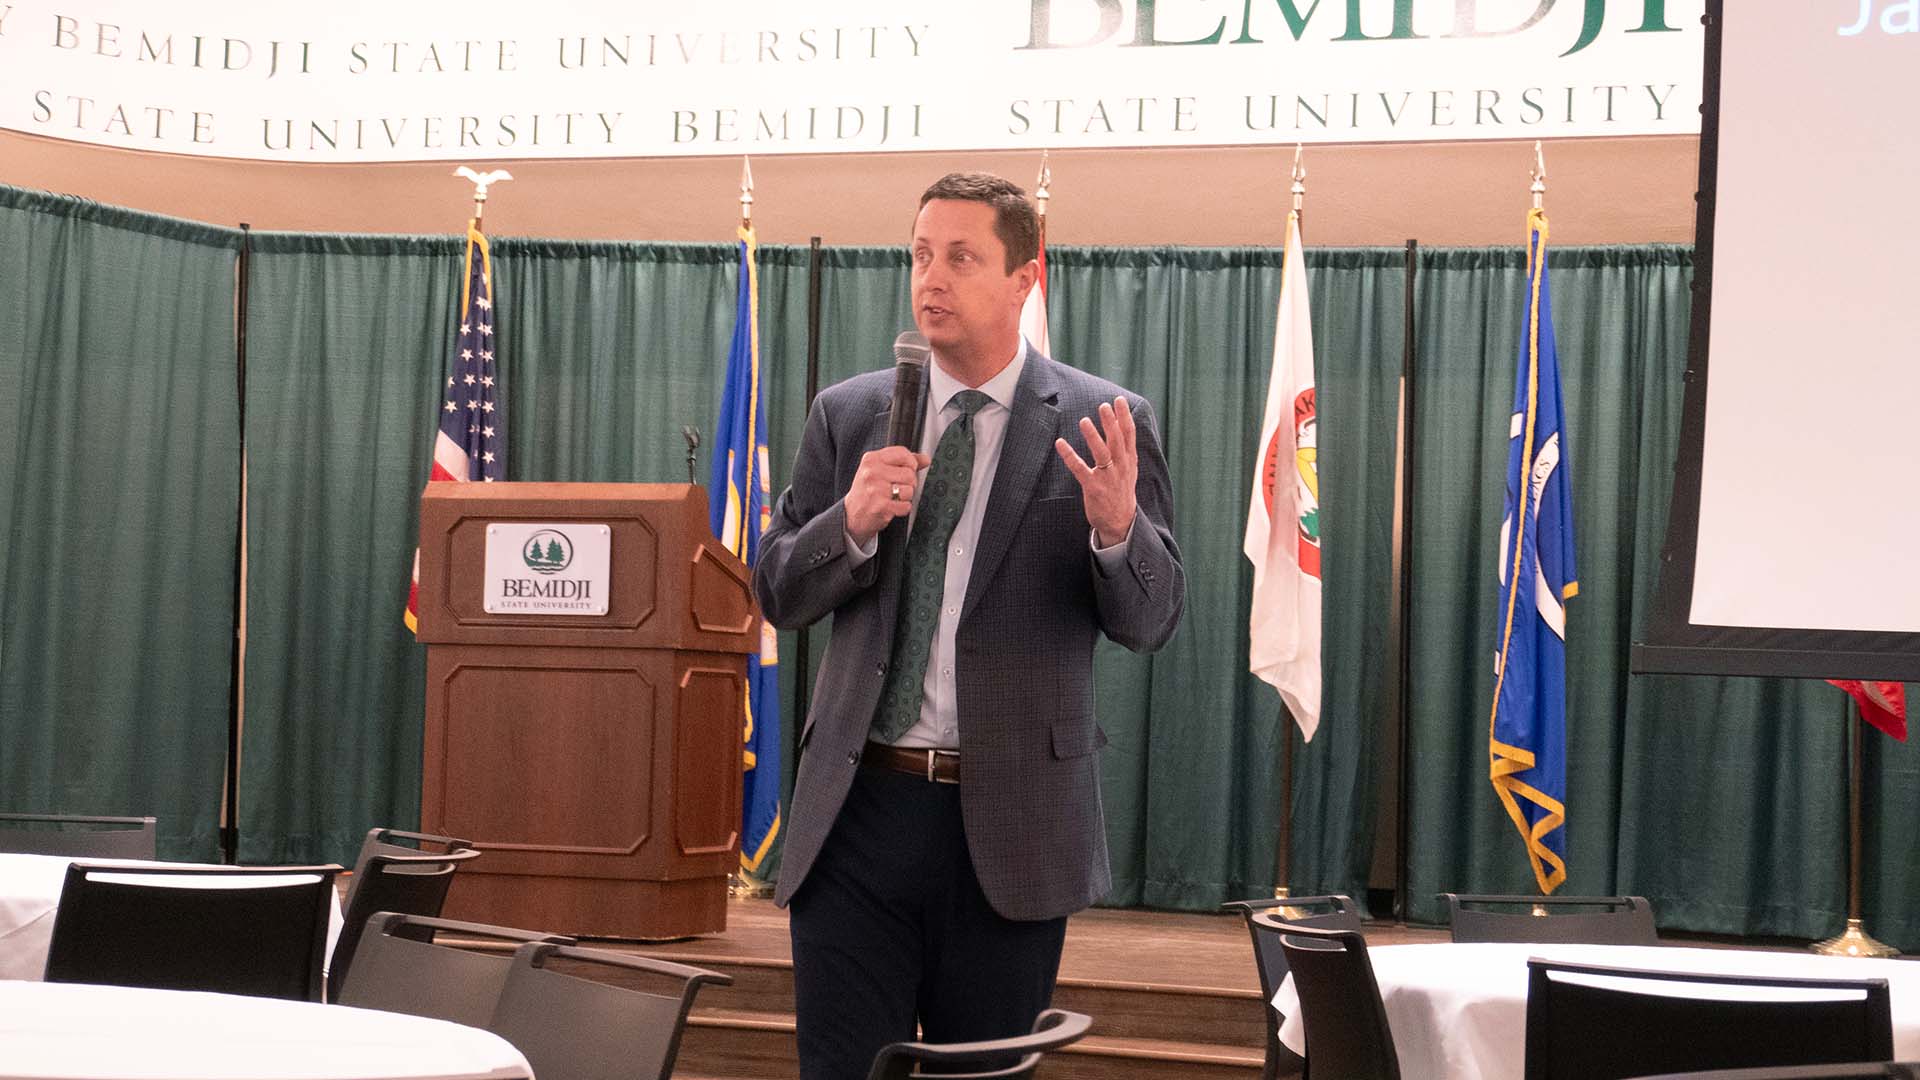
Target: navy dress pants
(891, 929)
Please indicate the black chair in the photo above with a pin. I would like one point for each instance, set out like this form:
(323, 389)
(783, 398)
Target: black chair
(1348, 1037)
(75, 835)
(1340, 913)
(258, 930)
(400, 967)
(572, 1028)
(1052, 1030)
(1886, 1070)
(1594, 920)
(1591, 1022)
(390, 877)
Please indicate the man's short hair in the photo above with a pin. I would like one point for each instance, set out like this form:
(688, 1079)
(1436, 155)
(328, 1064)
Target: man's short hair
(1014, 221)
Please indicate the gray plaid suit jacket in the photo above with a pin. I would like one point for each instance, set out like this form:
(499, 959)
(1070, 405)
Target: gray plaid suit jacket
(1030, 772)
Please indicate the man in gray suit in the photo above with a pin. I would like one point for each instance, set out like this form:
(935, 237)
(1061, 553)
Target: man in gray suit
(946, 818)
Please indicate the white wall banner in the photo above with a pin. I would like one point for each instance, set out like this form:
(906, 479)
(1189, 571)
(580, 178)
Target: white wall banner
(408, 80)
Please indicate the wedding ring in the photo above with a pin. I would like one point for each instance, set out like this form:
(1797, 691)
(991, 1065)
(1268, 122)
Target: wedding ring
(896, 493)
(1103, 465)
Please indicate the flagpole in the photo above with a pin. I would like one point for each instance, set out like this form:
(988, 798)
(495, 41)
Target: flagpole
(481, 182)
(746, 192)
(1854, 941)
(1539, 192)
(745, 885)
(1539, 188)
(1033, 306)
(1283, 844)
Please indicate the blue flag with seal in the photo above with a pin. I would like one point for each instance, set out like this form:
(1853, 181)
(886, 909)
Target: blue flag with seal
(1527, 733)
(739, 507)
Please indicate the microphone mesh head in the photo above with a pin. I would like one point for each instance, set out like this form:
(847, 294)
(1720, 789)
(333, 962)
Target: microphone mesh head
(911, 348)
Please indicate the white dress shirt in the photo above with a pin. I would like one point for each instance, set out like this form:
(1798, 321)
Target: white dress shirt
(939, 724)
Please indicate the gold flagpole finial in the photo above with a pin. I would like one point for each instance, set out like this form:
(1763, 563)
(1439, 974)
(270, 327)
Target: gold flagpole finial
(746, 193)
(1042, 184)
(1539, 188)
(1299, 178)
(481, 181)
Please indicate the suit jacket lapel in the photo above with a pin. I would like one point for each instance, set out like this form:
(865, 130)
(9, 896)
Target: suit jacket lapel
(1024, 453)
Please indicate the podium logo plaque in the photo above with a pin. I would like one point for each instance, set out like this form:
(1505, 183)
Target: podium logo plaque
(548, 569)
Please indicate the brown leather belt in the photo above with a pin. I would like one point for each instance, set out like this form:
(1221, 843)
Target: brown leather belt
(934, 766)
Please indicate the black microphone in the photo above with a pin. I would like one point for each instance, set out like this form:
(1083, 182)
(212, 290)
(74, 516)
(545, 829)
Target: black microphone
(904, 423)
(692, 435)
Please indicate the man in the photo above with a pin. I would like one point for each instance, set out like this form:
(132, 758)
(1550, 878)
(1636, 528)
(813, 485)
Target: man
(946, 818)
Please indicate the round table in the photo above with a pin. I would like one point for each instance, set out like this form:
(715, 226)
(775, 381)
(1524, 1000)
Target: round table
(72, 1031)
(1460, 1010)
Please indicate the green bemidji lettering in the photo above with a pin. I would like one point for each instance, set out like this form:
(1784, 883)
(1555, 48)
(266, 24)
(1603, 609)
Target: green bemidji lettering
(1466, 21)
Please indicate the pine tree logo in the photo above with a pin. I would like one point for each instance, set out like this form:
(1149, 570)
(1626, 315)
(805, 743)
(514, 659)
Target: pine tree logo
(548, 552)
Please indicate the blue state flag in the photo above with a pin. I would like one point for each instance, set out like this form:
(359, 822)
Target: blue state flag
(1527, 733)
(740, 505)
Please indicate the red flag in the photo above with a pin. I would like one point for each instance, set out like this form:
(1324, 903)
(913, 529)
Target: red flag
(1882, 704)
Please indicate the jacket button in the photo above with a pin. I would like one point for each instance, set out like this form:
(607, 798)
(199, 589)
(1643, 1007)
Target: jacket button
(880, 668)
(853, 757)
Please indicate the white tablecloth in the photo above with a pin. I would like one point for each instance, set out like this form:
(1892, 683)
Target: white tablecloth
(1461, 1010)
(69, 1031)
(30, 892)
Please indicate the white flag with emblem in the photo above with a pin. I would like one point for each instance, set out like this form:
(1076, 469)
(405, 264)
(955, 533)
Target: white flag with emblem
(1283, 520)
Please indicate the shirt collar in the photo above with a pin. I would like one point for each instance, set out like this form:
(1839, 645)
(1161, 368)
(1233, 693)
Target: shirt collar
(941, 386)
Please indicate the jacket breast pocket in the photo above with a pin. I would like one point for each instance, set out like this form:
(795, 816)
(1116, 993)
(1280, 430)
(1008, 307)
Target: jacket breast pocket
(1058, 509)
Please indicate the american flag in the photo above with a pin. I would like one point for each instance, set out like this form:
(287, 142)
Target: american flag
(471, 444)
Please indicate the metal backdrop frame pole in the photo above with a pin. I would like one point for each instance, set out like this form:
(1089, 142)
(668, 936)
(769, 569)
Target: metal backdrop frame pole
(803, 690)
(230, 782)
(1409, 357)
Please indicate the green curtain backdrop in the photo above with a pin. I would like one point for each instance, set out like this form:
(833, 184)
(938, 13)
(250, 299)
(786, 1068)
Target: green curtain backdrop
(609, 350)
(1720, 799)
(346, 341)
(119, 481)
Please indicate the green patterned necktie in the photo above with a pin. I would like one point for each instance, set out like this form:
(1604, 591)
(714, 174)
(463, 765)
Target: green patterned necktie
(923, 582)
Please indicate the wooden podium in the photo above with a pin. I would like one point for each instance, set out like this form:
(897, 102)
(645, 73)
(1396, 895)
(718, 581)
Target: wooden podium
(585, 732)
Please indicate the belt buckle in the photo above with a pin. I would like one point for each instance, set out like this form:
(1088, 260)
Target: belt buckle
(934, 755)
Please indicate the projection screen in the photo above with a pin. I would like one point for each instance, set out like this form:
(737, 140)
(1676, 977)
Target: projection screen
(1794, 529)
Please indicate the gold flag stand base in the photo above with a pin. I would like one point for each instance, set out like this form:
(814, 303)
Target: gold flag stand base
(1853, 942)
(744, 886)
(1288, 912)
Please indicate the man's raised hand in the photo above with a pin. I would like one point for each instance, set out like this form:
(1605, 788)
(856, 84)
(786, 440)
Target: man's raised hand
(1107, 482)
